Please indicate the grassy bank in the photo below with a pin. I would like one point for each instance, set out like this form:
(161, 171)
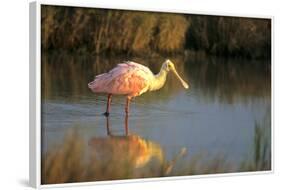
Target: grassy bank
(103, 31)
(230, 36)
(100, 31)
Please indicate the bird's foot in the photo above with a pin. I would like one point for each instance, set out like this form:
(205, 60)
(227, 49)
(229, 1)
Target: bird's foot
(106, 114)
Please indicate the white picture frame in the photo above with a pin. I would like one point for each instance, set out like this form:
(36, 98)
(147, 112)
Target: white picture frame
(35, 92)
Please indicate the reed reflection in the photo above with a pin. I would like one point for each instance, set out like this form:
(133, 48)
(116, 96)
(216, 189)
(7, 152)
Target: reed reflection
(212, 79)
(229, 80)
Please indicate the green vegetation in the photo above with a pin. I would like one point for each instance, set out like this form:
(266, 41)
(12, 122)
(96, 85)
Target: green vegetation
(230, 36)
(100, 31)
(261, 159)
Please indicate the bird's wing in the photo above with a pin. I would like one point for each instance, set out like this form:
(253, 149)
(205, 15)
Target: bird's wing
(126, 78)
(139, 66)
(130, 78)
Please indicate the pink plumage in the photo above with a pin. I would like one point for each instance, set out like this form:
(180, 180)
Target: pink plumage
(131, 79)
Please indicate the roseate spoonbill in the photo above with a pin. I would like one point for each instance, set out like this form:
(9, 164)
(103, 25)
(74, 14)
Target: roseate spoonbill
(131, 79)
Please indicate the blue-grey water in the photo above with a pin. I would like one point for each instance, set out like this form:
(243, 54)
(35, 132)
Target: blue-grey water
(217, 115)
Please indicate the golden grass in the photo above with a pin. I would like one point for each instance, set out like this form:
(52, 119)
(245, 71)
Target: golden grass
(113, 31)
(101, 31)
(107, 158)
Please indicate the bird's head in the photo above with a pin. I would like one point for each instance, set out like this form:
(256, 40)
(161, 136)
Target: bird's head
(169, 66)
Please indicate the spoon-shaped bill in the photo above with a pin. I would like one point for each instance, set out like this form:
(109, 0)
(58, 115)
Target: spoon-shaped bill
(185, 85)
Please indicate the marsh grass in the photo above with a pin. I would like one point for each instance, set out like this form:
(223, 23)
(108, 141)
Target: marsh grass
(111, 31)
(230, 36)
(101, 31)
(102, 158)
(261, 155)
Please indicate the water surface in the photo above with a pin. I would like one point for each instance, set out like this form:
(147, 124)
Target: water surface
(217, 117)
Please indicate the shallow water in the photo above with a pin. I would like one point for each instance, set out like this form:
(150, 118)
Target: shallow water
(216, 116)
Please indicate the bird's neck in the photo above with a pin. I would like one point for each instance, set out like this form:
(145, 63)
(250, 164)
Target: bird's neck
(159, 80)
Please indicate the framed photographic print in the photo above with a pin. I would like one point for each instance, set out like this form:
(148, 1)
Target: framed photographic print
(130, 95)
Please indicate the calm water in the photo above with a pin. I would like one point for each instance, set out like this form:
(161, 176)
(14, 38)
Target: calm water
(216, 117)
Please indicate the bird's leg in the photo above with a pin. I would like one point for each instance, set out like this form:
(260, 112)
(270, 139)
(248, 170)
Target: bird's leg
(127, 105)
(108, 105)
(126, 125)
(108, 126)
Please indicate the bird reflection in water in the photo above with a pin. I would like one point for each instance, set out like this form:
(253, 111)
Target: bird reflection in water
(110, 157)
(129, 149)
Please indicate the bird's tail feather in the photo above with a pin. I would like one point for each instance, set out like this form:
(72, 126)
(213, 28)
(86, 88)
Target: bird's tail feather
(92, 85)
